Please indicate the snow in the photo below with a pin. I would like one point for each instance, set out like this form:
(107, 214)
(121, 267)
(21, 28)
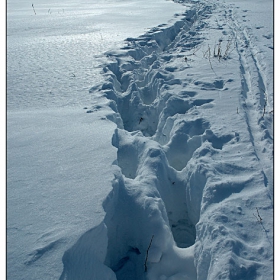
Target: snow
(164, 170)
(62, 46)
(51, 159)
(3, 144)
(59, 156)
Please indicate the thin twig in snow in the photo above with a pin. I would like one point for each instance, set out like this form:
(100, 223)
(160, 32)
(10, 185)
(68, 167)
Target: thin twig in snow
(209, 58)
(259, 214)
(33, 9)
(147, 254)
(259, 219)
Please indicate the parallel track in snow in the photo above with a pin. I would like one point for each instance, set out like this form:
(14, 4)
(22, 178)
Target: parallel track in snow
(256, 98)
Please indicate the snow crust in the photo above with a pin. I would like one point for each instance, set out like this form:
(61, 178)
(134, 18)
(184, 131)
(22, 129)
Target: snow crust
(191, 102)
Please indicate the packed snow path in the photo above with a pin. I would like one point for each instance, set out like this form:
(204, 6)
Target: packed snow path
(193, 195)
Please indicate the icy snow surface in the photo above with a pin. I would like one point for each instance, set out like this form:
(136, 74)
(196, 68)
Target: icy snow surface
(189, 106)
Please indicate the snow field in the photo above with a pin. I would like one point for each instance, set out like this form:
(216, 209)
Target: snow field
(192, 105)
(194, 153)
(59, 158)
(53, 56)
(51, 187)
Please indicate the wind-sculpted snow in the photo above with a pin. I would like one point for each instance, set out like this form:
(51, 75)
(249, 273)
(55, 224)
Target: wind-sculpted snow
(185, 204)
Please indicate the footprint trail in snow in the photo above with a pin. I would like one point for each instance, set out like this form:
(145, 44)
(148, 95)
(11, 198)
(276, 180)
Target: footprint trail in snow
(192, 174)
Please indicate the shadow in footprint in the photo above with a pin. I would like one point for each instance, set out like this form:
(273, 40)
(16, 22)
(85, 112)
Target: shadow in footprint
(186, 137)
(217, 84)
(217, 142)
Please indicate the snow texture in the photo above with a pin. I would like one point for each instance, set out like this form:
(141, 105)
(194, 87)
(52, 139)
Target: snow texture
(59, 158)
(193, 196)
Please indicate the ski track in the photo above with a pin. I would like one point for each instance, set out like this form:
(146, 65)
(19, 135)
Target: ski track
(179, 179)
(256, 102)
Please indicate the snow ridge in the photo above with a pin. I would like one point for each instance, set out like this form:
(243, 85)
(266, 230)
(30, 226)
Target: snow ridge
(182, 193)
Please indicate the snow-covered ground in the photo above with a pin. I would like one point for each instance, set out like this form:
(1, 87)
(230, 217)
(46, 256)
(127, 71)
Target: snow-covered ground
(53, 57)
(164, 170)
(59, 164)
